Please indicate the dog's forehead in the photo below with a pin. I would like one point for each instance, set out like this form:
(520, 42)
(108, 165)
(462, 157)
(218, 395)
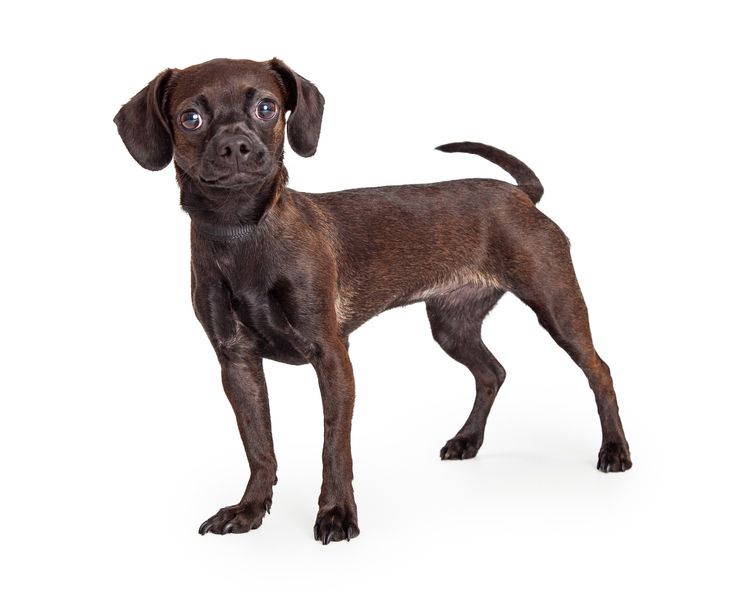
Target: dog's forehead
(224, 79)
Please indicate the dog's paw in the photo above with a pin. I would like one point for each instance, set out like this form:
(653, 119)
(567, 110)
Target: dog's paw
(335, 524)
(237, 519)
(461, 447)
(614, 457)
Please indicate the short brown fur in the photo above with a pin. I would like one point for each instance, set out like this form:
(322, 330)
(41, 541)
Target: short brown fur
(284, 275)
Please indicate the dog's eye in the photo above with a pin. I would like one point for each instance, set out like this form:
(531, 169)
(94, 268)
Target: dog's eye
(266, 109)
(191, 120)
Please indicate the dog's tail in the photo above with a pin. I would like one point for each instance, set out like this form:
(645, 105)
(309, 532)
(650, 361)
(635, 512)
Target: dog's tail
(525, 178)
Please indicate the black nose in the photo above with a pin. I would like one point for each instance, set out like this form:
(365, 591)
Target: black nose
(235, 148)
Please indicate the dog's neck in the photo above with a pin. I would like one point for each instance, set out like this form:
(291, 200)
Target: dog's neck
(224, 233)
(232, 214)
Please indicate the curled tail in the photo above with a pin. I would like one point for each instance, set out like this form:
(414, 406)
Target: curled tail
(525, 178)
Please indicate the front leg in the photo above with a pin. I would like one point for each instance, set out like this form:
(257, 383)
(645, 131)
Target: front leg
(245, 386)
(337, 514)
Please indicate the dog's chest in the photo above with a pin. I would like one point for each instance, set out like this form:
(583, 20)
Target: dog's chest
(258, 305)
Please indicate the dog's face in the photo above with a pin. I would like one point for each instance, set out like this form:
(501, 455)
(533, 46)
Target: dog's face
(228, 122)
(222, 121)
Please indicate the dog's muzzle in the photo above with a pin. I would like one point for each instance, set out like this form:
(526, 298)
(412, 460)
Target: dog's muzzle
(235, 158)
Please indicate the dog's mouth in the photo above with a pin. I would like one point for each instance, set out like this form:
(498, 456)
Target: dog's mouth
(234, 180)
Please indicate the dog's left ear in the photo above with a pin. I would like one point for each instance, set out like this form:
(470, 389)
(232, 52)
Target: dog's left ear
(142, 125)
(306, 104)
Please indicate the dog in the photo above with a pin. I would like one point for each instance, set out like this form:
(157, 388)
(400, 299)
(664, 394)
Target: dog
(285, 275)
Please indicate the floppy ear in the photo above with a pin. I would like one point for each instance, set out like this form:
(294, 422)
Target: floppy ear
(306, 104)
(143, 126)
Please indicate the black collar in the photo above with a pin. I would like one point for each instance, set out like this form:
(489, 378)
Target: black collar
(223, 233)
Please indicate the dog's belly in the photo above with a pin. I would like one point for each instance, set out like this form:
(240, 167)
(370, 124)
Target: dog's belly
(352, 309)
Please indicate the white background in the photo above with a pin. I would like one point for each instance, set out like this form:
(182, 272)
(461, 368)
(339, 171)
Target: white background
(116, 441)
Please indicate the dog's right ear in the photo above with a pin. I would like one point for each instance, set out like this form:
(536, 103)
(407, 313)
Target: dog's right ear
(142, 124)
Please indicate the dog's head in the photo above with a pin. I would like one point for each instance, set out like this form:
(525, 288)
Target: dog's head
(222, 121)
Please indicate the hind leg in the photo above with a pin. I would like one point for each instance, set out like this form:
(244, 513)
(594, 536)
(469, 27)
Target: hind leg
(556, 299)
(456, 321)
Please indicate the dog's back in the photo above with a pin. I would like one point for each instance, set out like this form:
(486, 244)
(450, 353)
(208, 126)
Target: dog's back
(409, 243)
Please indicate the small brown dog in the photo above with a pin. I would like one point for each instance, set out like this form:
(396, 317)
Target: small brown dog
(287, 276)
